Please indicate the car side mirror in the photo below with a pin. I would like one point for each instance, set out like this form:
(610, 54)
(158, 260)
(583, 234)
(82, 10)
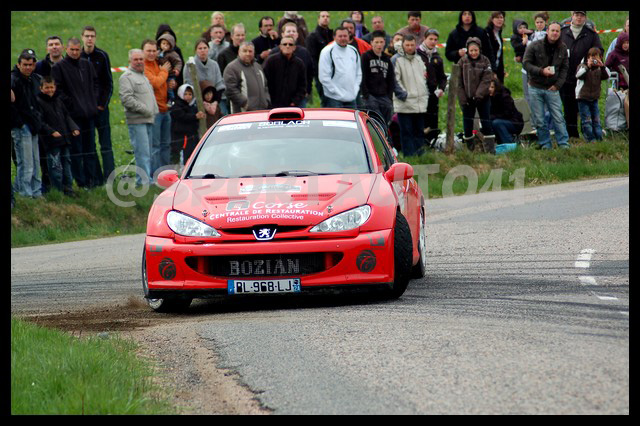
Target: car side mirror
(166, 178)
(398, 172)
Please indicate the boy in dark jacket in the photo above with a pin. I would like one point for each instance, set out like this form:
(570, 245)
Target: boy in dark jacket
(457, 40)
(436, 79)
(590, 75)
(184, 124)
(378, 78)
(56, 130)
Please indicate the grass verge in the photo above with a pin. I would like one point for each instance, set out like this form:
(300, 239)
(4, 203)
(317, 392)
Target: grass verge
(55, 373)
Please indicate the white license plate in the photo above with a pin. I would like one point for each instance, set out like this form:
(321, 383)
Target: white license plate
(289, 285)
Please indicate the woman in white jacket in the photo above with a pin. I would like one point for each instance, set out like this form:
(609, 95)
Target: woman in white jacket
(411, 96)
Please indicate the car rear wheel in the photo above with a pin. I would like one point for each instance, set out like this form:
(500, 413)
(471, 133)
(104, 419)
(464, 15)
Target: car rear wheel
(420, 269)
(161, 305)
(403, 256)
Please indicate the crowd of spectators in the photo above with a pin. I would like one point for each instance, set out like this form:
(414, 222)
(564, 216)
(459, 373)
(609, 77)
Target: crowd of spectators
(59, 103)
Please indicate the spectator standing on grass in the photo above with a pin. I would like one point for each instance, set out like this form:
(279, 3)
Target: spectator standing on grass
(318, 40)
(140, 108)
(358, 19)
(620, 56)
(590, 75)
(78, 85)
(25, 124)
(100, 60)
(303, 32)
(457, 40)
(411, 104)
(158, 76)
(377, 24)
(506, 120)
(217, 19)
(166, 29)
(339, 71)
(286, 76)
(414, 27)
(245, 82)
(476, 75)
(436, 77)
(54, 55)
(217, 41)
(579, 38)
(56, 134)
(356, 42)
(540, 21)
(185, 116)
(494, 33)
(266, 40)
(378, 78)
(238, 36)
(206, 69)
(290, 29)
(547, 64)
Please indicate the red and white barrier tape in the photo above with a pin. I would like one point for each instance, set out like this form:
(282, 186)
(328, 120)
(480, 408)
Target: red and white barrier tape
(122, 69)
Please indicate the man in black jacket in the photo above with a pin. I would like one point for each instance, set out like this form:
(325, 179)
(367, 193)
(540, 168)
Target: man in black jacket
(317, 41)
(266, 40)
(436, 79)
(25, 124)
(77, 84)
(579, 38)
(286, 76)
(378, 78)
(100, 60)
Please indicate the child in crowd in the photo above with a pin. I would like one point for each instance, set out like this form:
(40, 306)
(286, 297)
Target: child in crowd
(167, 53)
(210, 101)
(506, 120)
(56, 132)
(591, 73)
(620, 56)
(184, 124)
(473, 93)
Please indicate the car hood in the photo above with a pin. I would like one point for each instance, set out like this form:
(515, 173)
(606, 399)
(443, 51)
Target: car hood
(290, 201)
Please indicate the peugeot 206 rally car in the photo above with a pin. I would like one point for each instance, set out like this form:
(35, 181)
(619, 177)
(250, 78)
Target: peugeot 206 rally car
(285, 201)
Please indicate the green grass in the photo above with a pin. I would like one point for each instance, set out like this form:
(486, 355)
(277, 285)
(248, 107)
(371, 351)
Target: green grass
(525, 167)
(55, 373)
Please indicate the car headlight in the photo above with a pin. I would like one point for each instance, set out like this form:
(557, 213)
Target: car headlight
(188, 226)
(344, 221)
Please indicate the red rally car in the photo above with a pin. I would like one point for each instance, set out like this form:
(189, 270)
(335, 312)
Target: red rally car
(285, 201)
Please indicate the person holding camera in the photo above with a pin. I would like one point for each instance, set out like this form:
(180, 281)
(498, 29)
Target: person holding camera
(590, 75)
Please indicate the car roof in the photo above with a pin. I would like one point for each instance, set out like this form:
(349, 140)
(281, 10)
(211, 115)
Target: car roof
(309, 114)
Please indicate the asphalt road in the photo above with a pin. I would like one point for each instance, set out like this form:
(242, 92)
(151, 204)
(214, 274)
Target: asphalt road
(524, 310)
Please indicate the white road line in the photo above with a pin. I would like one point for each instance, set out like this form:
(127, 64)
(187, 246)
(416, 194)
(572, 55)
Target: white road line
(605, 297)
(587, 280)
(584, 258)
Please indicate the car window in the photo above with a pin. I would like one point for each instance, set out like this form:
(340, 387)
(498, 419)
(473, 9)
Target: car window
(296, 147)
(380, 146)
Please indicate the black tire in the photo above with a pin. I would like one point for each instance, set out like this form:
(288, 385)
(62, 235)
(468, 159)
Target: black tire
(403, 256)
(162, 305)
(420, 269)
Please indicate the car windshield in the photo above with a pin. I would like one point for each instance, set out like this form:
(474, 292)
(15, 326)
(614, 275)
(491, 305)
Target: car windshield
(281, 148)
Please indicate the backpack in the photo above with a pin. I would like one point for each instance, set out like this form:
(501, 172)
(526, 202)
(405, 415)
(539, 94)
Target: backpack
(614, 118)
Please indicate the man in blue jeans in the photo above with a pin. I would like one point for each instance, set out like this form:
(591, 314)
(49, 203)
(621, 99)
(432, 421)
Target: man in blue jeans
(547, 63)
(25, 123)
(140, 109)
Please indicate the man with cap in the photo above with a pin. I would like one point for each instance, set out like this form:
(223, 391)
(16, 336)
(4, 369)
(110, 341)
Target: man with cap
(25, 123)
(579, 38)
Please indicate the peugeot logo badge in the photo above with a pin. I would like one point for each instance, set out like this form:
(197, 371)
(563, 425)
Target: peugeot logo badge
(264, 233)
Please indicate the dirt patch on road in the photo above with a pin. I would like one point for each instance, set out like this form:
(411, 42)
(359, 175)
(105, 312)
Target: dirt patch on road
(186, 365)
